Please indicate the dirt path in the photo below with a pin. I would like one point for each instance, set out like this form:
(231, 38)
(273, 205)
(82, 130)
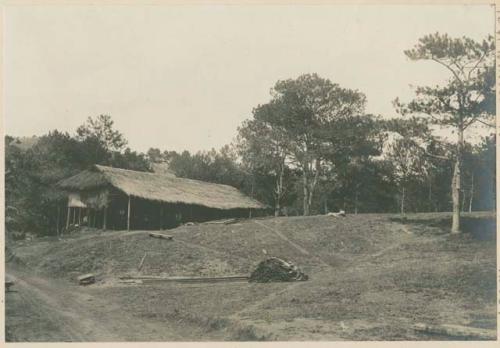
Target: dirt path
(56, 311)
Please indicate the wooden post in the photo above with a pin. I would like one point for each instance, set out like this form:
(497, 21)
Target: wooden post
(128, 215)
(68, 216)
(79, 216)
(58, 218)
(74, 215)
(161, 216)
(250, 213)
(104, 224)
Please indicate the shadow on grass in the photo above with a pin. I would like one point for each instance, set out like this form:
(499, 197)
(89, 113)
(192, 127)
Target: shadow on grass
(477, 228)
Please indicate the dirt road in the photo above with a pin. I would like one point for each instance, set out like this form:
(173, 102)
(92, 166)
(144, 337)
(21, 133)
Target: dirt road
(56, 311)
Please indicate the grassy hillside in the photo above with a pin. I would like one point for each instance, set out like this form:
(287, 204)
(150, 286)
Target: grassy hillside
(371, 276)
(213, 249)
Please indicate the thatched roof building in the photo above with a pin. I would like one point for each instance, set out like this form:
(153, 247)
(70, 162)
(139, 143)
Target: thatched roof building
(101, 187)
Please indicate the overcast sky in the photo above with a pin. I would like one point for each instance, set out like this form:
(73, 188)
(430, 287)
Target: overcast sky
(184, 77)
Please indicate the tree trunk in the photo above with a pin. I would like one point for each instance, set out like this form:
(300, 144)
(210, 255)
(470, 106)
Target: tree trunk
(277, 208)
(306, 194)
(314, 182)
(471, 192)
(462, 207)
(403, 197)
(430, 195)
(455, 184)
(279, 191)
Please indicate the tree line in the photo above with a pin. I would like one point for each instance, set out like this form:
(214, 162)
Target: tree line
(311, 149)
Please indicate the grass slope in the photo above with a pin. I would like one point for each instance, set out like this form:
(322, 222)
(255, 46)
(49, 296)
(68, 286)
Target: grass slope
(371, 276)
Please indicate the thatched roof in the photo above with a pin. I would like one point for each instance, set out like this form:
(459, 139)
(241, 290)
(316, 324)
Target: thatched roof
(158, 187)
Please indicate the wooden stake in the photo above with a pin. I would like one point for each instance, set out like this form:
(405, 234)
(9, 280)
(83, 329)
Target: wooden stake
(104, 224)
(128, 215)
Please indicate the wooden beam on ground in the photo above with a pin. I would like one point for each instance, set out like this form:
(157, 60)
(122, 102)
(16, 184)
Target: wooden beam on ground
(146, 279)
(128, 215)
(456, 331)
(224, 222)
(86, 279)
(161, 236)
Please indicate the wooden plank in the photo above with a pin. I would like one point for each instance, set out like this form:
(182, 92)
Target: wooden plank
(161, 236)
(86, 279)
(456, 331)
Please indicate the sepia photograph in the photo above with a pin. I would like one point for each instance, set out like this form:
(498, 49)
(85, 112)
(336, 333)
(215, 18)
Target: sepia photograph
(208, 172)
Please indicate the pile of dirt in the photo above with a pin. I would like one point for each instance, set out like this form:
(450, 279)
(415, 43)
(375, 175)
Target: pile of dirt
(277, 270)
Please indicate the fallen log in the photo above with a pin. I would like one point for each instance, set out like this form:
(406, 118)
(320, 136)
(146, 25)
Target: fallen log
(456, 331)
(161, 236)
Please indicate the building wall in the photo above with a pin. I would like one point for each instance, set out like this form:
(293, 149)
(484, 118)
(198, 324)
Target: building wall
(89, 208)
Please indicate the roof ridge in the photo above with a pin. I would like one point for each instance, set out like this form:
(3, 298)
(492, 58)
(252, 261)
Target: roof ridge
(101, 167)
